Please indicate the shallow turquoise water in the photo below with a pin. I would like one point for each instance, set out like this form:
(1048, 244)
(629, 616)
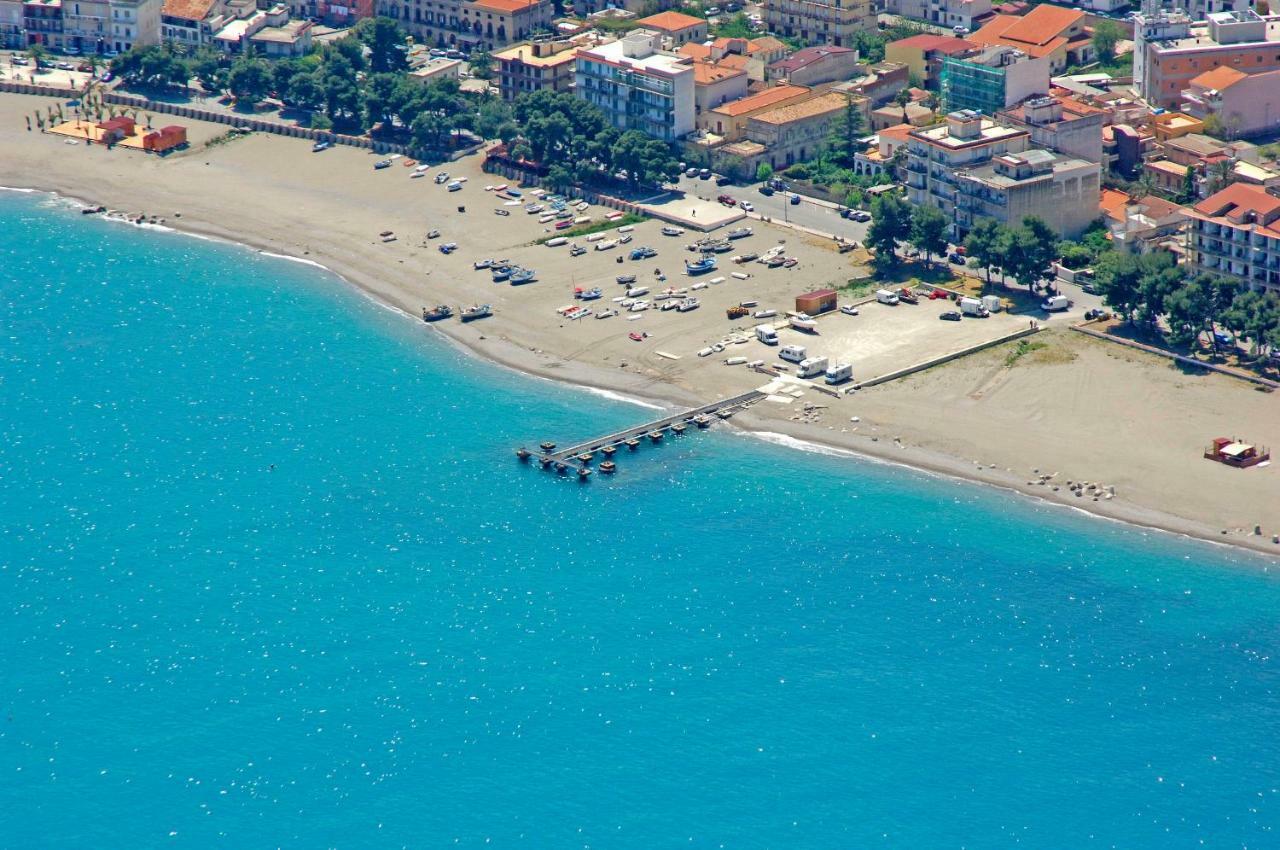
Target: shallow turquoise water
(398, 636)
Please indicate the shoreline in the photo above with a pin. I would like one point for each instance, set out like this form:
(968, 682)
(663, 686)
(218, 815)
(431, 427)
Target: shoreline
(656, 395)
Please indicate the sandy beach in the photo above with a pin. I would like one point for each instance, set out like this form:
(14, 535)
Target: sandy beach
(1074, 410)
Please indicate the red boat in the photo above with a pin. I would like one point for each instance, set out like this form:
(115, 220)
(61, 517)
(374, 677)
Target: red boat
(638, 337)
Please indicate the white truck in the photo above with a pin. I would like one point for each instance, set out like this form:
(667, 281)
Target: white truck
(839, 373)
(973, 307)
(811, 367)
(792, 353)
(767, 334)
(885, 296)
(1056, 304)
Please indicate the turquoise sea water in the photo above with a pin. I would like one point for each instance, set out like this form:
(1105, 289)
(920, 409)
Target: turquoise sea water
(269, 576)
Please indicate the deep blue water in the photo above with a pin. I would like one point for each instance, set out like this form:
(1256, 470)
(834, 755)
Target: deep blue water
(398, 636)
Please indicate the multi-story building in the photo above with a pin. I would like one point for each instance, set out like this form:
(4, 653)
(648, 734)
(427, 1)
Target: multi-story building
(990, 80)
(13, 34)
(637, 86)
(677, 28)
(1141, 226)
(1245, 104)
(1170, 50)
(135, 23)
(813, 66)
(534, 66)
(86, 25)
(191, 23)
(923, 55)
(1046, 32)
(467, 24)
(1236, 232)
(966, 140)
(715, 84)
(1060, 123)
(944, 13)
(42, 22)
(834, 22)
(750, 55)
(1061, 191)
(798, 131)
(729, 121)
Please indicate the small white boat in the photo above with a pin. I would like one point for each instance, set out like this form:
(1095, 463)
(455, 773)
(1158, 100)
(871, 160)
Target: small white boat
(606, 245)
(669, 305)
(557, 242)
(764, 314)
(637, 291)
(749, 303)
(803, 323)
(604, 314)
(639, 306)
(697, 286)
(688, 304)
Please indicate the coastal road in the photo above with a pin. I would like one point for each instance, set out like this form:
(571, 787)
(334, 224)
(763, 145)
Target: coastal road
(810, 213)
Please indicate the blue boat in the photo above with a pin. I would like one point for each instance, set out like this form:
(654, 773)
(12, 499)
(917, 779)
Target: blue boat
(590, 294)
(706, 264)
(501, 273)
(520, 276)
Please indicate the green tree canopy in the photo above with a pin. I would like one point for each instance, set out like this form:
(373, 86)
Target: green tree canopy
(387, 44)
(891, 223)
(250, 80)
(928, 231)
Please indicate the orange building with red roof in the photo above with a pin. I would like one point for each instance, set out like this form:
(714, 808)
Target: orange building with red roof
(677, 26)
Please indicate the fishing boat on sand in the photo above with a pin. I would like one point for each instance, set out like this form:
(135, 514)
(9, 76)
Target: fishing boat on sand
(589, 294)
(739, 233)
(520, 276)
(436, 313)
(706, 264)
(479, 311)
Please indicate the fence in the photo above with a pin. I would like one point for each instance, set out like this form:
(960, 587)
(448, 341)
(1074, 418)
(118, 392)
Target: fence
(245, 122)
(1178, 358)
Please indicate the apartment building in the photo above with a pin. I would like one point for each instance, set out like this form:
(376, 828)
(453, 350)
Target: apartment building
(1170, 50)
(715, 84)
(1062, 191)
(13, 34)
(1246, 104)
(1143, 225)
(813, 66)
(134, 23)
(637, 86)
(751, 55)
(42, 23)
(534, 66)
(1236, 232)
(1060, 123)
(1046, 32)
(966, 14)
(191, 23)
(966, 140)
(923, 55)
(797, 131)
(835, 22)
(86, 25)
(997, 77)
(469, 24)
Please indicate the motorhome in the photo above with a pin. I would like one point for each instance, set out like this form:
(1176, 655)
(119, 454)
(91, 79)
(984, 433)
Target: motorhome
(769, 336)
(811, 367)
(792, 353)
(839, 373)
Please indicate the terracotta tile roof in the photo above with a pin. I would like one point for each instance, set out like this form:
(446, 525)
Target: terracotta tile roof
(670, 21)
(1030, 39)
(706, 73)
(927, 43)
(188, 10)
(763, 100)
(1112, 203)
(1043, 24)
(507, 6)
(695, 51)
(898, 132)
(1221, 78)
(811, 108)
(1239, 197)
(767, 44)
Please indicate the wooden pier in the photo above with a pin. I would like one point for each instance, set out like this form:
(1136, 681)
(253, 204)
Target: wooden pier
(578, 456)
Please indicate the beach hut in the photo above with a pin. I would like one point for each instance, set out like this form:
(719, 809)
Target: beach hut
(116, 130)
(166, 138)
(1233, 452)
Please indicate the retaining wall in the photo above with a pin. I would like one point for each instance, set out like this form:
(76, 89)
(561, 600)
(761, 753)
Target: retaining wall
(1189, 361)
(947, 358)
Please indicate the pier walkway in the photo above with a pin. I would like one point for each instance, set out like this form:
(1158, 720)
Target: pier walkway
(699, 416)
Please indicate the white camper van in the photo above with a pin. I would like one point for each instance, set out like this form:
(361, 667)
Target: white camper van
(792, 353)
(766, 334)
(811, 367)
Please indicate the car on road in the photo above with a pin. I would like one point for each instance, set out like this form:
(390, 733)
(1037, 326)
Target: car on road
(956, 259)
(705, 173)
(65, 66)
(691, 172)
(795, 199)
(950, 316)
(766, 189)
(727, 200)
(849, 310)
(18, 60)
(860, 215)
(747, 206)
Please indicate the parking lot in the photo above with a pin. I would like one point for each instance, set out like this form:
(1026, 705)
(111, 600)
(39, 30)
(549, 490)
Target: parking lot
(883, 338)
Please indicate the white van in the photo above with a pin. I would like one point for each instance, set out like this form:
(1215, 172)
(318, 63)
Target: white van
(884, 296)
(1056, 304)
(839, 373)
(811, 367)
(767, 335)
(792, 353)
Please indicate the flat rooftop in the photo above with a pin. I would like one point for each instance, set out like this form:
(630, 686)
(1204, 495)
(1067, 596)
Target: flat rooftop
(989, 132)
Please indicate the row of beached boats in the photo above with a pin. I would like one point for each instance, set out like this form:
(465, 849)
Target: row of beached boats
(444, 311)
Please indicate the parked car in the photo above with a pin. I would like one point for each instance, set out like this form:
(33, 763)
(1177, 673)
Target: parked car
(727, 200)
(723, 181)
(65, 66)
(766, 189)
(747, 206)
(950, 316)
(381, 164)
(860, 215)
(705, 173)
(18, 60)
(795, 199)
(956, 259)
(691, 172)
